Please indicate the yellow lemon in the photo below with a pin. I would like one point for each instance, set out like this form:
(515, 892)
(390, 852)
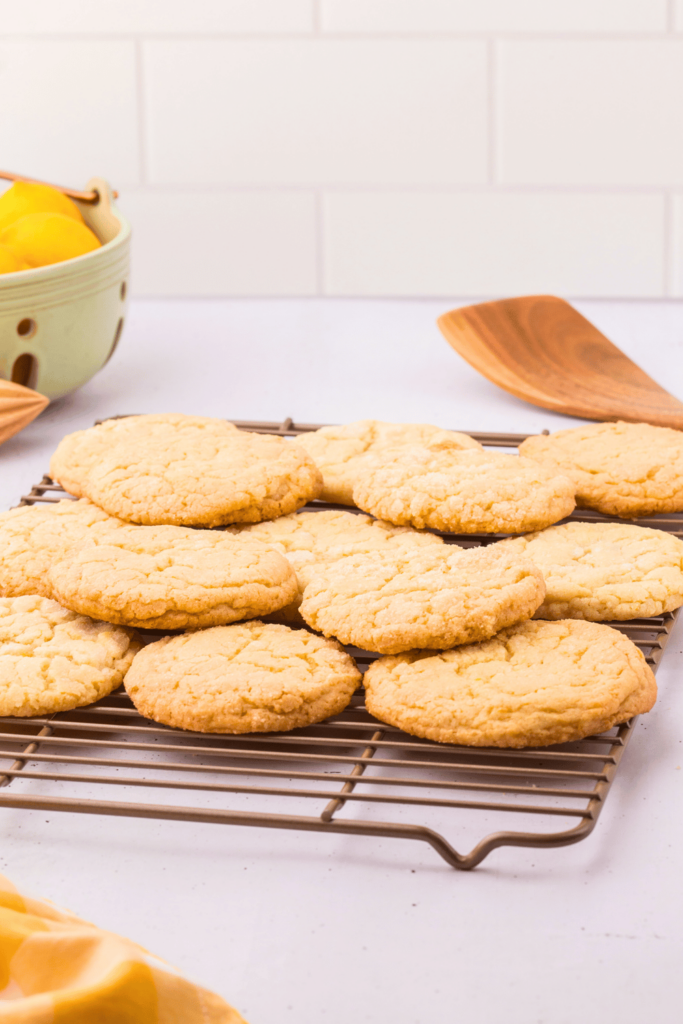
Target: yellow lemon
(42, 238)
(11, 261)
(26, 197)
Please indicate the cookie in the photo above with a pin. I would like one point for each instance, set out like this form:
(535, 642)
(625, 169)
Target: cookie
(79, 453)
(312, 540)
(393, 601)
(604, 571)
(462, 491)
(185, 471)
(621, 469)
(339, 452)
(252, 677)
(33, 535)
(53, 660)
(171, 577)
(535, 684)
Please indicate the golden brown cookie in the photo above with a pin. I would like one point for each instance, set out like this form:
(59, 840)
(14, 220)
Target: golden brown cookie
(312, 540)
(535, 684)
(621, 469)
(79, 453)
(605, 571)
(185, 471)
(340, 451)
(462, 491)
(53, 660)
(33, 535)
(171, 577)
(251, 677)
(393, 601)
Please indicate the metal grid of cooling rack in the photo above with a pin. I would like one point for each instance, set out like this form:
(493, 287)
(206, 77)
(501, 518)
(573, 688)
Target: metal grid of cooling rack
(348, 775)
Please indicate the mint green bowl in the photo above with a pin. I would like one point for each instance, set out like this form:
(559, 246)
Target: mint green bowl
(60, 324)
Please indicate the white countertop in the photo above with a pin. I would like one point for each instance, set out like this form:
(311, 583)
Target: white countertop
(304, 927)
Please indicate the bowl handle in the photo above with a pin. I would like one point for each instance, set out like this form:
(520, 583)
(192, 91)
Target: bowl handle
(99, 215)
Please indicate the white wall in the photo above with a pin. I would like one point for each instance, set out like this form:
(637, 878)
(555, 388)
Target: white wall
(364, 147)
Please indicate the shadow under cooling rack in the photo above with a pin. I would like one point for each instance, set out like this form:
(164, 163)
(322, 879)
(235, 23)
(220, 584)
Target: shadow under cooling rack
(348, 775)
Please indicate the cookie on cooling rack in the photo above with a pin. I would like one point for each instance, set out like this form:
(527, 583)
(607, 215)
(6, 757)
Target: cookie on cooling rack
(53, 660)
(33, 535)
(251, 677)
(462, 491)
(172, 577)
(535, 684)
(605, 571)
(621, 469)
(391, 601)
(312, 540)
(340, 451)
(185, 471)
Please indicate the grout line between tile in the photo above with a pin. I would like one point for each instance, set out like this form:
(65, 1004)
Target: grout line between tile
(675, 250)
(319, 244)
(669, 256)
(142, 119)
(284, 36)
(317, 19)
(492, 73)
(671, 15)
(498, 188)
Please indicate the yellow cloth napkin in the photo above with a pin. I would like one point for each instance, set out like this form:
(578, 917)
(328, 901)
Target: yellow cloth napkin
(57, 969)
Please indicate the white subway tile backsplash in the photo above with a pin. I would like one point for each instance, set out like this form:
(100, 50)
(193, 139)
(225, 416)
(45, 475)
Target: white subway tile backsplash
(231, 244)
(402, 243)
(486, 147)
(157, 16)
(590, 112)
(69, 110)
(493, 15)
(316, 112)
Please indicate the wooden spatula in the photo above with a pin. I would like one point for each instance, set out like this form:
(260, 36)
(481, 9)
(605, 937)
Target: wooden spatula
(18, 406)
(541, 349)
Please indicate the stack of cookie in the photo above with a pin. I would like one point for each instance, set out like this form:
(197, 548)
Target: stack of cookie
(128, 555)
(524, 682)
(497, 645)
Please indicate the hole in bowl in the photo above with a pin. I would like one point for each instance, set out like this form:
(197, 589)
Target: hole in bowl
(117, 335)
(26, 328)
(123, 291)
(25, 370)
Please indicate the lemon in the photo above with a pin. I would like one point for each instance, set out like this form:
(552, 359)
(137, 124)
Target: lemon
(26, 197)
(11, 261)
(42, 238)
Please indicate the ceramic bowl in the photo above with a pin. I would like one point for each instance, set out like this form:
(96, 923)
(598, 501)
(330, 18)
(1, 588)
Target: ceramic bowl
(60, 324)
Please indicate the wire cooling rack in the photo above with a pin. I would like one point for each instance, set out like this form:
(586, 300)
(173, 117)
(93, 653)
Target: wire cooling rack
(348, 775)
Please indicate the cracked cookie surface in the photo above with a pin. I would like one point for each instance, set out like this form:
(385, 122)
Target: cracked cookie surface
(31, 537)
(463, 491)
(621, 469)
(340, 451)
(312, 540)
(185, 471)
(251, 677)
(53, 660)
(395, 601)
(172, 577)
(79, 453)
(605, 571)
(532, 685)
